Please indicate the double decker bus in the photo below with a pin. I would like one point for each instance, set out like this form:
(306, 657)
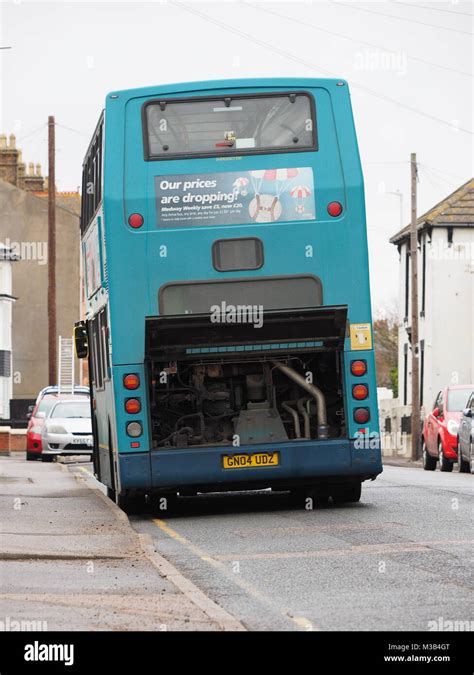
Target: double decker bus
(228, 322)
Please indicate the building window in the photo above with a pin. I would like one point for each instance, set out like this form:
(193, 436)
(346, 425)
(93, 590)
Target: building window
(5, 363)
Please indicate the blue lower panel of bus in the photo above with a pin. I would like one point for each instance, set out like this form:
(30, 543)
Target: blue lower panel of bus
(205, 466)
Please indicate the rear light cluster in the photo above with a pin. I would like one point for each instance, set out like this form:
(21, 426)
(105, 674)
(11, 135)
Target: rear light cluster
(360, 391)
(134, 429)
(131, 381)
(358, 367)
(133, 406)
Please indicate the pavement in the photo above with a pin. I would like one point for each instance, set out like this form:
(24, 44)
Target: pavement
(70, 560)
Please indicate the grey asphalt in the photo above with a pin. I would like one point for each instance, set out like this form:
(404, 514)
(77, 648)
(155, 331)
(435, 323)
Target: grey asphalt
(398, 560)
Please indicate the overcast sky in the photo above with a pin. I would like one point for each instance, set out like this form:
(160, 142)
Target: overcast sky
(417, 97)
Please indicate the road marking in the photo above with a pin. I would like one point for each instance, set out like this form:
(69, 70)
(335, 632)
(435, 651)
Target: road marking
(366, 549)
(215, 562)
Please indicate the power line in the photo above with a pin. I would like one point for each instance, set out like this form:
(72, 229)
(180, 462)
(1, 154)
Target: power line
(76, 131)
(351, 39)
(31, 133)
(400, 18)
(436, 9)
(311, 66)
(440, 171)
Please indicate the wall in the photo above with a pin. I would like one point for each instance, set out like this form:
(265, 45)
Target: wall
(447, 327)
(24, 224)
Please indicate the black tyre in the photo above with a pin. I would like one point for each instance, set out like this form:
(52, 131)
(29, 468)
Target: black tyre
(32, 456)
(429, 462)
(461, 465)
(343, 494)
(444, 463)
(131, 504)
(309, 497)
(47, 458)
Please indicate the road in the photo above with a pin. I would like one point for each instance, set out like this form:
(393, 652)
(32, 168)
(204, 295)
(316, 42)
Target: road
(398, 560)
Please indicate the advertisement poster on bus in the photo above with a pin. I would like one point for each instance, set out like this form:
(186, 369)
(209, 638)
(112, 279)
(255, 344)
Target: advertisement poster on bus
(235, 198)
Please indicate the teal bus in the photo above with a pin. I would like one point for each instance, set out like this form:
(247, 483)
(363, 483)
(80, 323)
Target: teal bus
(228, 321)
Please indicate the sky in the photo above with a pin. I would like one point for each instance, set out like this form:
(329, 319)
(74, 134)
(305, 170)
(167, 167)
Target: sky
(409, 68)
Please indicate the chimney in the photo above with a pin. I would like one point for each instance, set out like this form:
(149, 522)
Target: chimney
(12, 141)
(38, 170)
(3, 142)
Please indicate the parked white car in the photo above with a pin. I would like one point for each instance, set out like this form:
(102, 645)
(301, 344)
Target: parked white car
(67, 429)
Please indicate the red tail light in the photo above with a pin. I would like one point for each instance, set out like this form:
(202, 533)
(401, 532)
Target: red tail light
(361, 415)
(131, 381)
(135, 220)
(358, 368)
(133, 406)
(334, 209)
(360, 391)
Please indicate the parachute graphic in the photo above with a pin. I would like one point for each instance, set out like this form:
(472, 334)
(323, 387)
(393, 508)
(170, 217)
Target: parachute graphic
(266, 207)
(300, 193)
(240, 185)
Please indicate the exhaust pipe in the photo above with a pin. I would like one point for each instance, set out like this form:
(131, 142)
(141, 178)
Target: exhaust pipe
(286, 405)
(304, 413)
(315, 392)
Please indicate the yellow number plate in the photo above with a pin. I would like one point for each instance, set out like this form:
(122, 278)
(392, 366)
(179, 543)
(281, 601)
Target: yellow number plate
(248, 461)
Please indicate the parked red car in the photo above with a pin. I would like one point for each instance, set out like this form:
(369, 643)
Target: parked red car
(45, 401)
(440, 427)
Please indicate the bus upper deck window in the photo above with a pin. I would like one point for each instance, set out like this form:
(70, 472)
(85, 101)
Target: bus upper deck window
(229, 125)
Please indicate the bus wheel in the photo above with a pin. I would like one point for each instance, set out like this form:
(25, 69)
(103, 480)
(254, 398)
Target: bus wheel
(351, 492)
(309, 497)
(131, 504)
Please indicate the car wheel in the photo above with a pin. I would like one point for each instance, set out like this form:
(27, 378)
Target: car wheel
(471, 456)
(31, 456)
(343, 494)
(444, 463)
(462, 466)
(47, 458)
(429, 462)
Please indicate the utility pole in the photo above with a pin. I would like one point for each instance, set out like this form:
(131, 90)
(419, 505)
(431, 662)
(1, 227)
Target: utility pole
(415, 369)
(52, 342)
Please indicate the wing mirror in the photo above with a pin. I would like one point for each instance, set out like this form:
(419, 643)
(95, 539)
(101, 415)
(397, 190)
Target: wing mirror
(81, 341)
(467, 412)
(436, 412)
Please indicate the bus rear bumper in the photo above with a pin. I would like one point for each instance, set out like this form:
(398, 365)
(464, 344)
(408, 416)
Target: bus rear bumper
(302, 462)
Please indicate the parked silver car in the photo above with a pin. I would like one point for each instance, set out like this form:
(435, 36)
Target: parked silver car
(67, 429)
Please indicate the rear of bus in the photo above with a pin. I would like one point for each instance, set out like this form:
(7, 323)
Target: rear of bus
(238, 289)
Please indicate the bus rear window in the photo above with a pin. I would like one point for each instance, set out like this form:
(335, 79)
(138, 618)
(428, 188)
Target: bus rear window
(229, 125)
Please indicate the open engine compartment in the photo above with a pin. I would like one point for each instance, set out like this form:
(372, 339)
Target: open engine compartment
(246, 400)
(237, 384)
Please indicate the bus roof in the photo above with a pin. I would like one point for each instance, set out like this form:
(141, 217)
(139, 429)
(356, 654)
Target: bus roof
(254, 82)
